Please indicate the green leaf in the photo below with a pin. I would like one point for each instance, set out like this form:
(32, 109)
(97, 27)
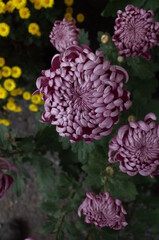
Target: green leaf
(83, 149)
(83, 37)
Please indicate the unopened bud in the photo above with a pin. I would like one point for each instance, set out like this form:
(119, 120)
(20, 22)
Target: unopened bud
(131, 118)
(110, 171)
(104, 38)
(120, 59)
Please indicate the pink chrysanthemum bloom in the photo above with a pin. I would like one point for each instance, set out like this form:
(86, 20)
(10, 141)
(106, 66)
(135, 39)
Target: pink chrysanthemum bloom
(103, 211)
(83, 94)
(136, 146)
(135, 32)
(5, 180)
(64, 34)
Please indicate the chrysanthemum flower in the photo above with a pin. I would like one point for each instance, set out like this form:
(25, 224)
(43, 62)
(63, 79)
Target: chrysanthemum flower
(3, 93)
(34, 28)
(2, 7)
(24, 13)
(9, 84)
(2, 61)
(16, 71)
(6, 71)
(10, 6)
(83, 94)
(103, 211)
(4, 29)
(136, 147)
(5, 180)
(64, 34)
(135, 32)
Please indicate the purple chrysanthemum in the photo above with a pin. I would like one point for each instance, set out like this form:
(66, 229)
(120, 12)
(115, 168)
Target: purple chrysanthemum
(83, 94)
(5, 180)
(136, 146)
(135, 32)
(64, 35)
(103, 211)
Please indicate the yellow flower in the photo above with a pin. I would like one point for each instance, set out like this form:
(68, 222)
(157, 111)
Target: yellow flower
(33, 107)
(69, 10)
(69, 2)
(10, 6)
(6, 71)
(19, 91)
(14, 93)
(80, 17)
(19, 3)
(4, 29)
(2, 7)
(0, 74)
(24, 13)
(18, 109)
(9, 84)
(36, 99)
(2, 61)
(11, 106)
(16, 72)
(3, 93)
(5, 122)
(11, 99)
(37, 4)
(68, 16)
(47, 3)
(26, 95)
(33, 28)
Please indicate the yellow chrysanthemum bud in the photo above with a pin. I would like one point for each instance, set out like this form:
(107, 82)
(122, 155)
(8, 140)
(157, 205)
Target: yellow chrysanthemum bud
(3, 93)
(10, 6)
(16, 72)
(69, 2)
(9, 84)
(26, 95)
(4, 29)
(24, 13)
(120, 59)
(104, 38)
(131, 118)
(33, 107)
(110, 171)
(6, 71)
(80, 17)
(2, 61)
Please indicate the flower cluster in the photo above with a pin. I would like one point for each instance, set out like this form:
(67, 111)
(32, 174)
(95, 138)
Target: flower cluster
(103, 211)
(83, 94)
(136, 147)
(5, 180)
(8, 90)
(135, 32)
(69, 12)
(64, 34)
